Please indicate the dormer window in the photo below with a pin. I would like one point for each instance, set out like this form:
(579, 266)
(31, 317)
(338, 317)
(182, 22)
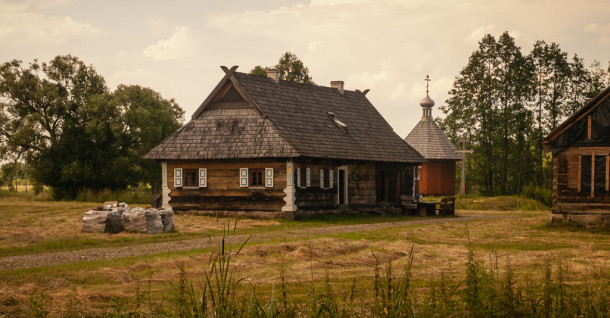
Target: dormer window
(341, 125)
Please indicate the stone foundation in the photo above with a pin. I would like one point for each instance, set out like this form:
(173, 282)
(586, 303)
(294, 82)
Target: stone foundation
(290, 215)
(582, 219)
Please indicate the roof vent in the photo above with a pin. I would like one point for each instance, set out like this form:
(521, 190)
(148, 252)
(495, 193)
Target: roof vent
(273, 74)
(338, 85)
(341, 125)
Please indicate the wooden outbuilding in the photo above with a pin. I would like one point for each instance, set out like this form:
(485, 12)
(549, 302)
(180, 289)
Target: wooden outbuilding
(437, 175)
(268, 145)
(581, 164)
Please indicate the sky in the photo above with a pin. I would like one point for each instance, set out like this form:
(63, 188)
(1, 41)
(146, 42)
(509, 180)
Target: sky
(387, 46)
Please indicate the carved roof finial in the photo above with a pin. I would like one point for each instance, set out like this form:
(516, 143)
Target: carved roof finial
(427, 79)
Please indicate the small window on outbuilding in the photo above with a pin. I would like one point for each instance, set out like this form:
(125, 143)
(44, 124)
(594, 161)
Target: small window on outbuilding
(340, 124)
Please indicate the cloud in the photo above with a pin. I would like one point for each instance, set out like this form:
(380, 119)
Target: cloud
(178, 45)
(477, 34)
(20, 23)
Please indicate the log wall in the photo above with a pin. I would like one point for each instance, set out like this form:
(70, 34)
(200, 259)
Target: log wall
(223, 191)
(568, 197)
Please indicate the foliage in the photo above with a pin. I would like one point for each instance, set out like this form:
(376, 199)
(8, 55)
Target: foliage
(290, 67)
(81, 135)
(259, 71)
(538, 193)
(506, 102)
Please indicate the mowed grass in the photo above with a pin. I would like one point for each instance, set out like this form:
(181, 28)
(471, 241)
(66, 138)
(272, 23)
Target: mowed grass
(30, 226)
(518, 238)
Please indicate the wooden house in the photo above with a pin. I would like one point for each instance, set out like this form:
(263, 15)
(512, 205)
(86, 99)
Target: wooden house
(264, 144)
(437, 175)
(580, 147)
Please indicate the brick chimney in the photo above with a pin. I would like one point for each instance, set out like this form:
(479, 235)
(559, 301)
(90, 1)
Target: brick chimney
(338, 85)
(273, 74)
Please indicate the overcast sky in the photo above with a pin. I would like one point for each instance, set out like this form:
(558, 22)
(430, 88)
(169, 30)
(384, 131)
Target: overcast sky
(389, 46)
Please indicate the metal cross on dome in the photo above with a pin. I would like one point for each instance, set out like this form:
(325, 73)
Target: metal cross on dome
(427, 79)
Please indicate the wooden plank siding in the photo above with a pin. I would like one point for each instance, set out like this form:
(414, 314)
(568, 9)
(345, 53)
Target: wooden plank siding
(223, 191)
(568, 194)
(437, 177)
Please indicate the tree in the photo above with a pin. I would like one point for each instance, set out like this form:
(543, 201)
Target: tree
(290, 69)
(82, 136)
(487, 102)
(551, 78)
(148, 119)
(259, 71)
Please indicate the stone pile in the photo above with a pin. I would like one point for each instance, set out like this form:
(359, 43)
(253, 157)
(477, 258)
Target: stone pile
(116, 217)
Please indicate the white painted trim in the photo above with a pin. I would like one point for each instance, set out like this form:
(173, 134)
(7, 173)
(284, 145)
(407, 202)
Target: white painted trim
(164, 188)
(290, 189)
(203, 177)
(243, 177)
(269, 177)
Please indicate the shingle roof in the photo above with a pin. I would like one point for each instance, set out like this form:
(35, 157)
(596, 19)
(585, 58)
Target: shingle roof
(430, 141)
(293, 122)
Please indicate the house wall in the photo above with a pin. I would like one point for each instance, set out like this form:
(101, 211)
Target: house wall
(437, 177)
(567, 197)
(223, 191)
(365, 186)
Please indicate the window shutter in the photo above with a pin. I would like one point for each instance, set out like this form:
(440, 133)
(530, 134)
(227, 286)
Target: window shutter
(243, 177)
(269, 177)
(307, 177)
(203, 177)
(322, 178)
(330, 178)
(299, 176)
(178, 177)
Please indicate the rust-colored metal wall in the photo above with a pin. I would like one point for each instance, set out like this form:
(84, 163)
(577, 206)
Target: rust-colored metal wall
(437, 177)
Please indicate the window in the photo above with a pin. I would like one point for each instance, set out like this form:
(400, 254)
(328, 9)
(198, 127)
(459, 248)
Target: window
(191, 178)
(308, 177)
(326, 178)
(340, 124)
(178, 177)
(257, 177)
(269, 177)
(593, 174)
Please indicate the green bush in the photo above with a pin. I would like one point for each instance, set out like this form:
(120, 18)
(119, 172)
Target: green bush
(538, 193)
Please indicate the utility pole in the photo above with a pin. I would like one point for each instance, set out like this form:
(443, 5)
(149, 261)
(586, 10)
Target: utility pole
(463, 141)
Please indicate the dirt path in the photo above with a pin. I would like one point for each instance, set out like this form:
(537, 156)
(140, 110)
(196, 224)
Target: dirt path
(106, 253)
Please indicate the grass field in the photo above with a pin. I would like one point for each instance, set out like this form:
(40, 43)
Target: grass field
(337, 263)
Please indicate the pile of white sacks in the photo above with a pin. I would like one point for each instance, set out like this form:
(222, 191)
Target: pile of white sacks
(116, 217)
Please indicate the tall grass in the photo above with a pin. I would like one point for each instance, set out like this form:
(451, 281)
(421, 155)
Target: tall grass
(491, 290)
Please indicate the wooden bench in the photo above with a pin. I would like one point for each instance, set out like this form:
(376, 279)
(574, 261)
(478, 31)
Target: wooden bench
(447, 206)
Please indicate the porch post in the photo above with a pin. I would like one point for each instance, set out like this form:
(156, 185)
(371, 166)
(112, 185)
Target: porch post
(290, 191)
(164, 188)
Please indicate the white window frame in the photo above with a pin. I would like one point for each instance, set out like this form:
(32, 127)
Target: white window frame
(203, 177)
(331, 178)
(308, 177)
(243, 177)
(178, 178)
(322, 179)
(268, 177)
